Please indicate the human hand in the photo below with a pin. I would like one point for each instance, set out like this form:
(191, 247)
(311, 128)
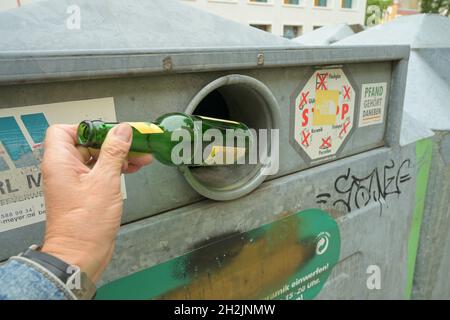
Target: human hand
(82, 195)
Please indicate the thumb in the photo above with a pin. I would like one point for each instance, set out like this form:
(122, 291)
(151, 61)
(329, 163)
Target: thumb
(114, 151)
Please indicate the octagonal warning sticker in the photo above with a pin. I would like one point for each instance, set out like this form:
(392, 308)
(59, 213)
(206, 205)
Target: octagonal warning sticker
(324, 110)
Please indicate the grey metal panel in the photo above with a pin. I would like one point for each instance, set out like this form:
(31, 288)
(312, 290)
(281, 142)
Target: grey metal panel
(429, 68)
(149, 97)
(325, 35)
(427, 95)
(418, 31)
(412, 130)
(428, 87)
(363, 231)
(396, 98)
(118, 24)
(431, 277)
(22, 67)
(441, 288)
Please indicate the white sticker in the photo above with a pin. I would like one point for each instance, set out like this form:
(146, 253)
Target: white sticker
(324, 113)
(22, 132)
(373, 100)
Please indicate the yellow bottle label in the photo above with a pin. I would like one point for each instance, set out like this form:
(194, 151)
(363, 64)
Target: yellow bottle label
(146, 127)
(234, 152)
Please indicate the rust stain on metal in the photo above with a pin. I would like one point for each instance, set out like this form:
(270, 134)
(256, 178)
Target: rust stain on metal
(237, 267)
(167, 63)
(260, 59)
(336, 213)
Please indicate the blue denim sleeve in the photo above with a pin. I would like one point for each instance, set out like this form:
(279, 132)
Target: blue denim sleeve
(21, 280)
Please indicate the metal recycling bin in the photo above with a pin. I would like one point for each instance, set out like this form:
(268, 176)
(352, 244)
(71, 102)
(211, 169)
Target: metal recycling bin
(337, 220)
(328, 34)
(426, 104)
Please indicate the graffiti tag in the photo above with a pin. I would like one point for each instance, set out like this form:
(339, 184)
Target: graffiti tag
(357, 192)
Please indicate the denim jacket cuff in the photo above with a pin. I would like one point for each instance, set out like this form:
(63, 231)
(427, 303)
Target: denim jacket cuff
(49, 276)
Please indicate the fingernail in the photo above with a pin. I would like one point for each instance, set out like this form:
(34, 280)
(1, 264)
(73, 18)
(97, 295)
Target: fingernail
(123, 132)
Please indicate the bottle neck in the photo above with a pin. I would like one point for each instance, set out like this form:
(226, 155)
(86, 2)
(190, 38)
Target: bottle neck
(91, 134)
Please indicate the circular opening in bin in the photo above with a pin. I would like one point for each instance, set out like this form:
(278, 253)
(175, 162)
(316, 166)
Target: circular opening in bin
(238, 98)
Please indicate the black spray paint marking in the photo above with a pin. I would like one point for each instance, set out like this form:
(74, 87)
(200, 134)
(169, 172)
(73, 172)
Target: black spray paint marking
(355, 192)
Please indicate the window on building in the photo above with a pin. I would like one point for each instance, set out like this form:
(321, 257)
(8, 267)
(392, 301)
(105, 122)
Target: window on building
(291, 32)
(317, 27)
(263, 27)
(222, 1)
(347, 4)
(320, 3)
(292, 2)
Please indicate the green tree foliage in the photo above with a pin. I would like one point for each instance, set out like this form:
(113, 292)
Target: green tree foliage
(375, 10)
(383, 4)
(436, 6)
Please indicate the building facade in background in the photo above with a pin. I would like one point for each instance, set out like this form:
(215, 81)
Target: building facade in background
(402, 8)
(288, 18)
(11, 4)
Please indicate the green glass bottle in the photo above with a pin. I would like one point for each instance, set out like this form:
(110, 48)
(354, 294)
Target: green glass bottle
(157, 138)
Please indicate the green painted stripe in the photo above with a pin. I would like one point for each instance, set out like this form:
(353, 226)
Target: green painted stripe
(306, 229)
(424, 150)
